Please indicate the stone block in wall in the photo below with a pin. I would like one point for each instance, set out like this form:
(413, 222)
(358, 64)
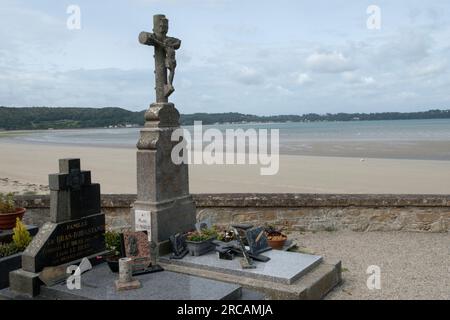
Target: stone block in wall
(245, 217)
(267, 216)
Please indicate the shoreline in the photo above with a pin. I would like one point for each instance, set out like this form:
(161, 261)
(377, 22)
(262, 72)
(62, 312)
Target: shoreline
(395, 149)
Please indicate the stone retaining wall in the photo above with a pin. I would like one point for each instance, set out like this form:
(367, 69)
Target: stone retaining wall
(303, 212)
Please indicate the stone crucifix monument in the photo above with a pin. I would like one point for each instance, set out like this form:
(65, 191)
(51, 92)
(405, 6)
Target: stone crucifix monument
(164, 206)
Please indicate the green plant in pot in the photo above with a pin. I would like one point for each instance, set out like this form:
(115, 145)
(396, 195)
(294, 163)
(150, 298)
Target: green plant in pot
(9, 212)
(200, 242)
(21, 239)
(113, 245)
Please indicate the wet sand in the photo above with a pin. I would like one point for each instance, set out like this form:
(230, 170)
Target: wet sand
(24, 168)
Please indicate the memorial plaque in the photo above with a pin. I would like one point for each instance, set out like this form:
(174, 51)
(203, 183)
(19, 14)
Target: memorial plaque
(143, 222)
(60, 243)
(137, 247)
(257, 240)
(179, 246)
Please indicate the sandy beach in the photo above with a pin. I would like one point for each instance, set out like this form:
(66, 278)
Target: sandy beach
(24, 168)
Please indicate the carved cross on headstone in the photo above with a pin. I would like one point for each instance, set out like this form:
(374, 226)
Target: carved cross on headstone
(72, 195)
(164, 56)
(70, 176)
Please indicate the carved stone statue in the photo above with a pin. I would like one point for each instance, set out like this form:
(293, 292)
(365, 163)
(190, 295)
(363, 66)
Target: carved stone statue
(165, 59)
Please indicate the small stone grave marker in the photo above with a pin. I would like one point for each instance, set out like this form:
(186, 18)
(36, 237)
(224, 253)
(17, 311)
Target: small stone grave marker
(257, 240)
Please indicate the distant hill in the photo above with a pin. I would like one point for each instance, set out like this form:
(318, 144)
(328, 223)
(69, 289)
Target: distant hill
(67, 118)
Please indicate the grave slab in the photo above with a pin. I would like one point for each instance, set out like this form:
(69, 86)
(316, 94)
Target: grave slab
(98, 284)
(284, 267)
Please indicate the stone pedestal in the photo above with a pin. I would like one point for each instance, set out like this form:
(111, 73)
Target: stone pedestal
(164, 206)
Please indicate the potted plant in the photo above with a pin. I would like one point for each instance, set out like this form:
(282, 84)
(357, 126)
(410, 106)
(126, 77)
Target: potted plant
(11, 252)
(200, 242)
(275, 237)
(9, 212)
(113, 244)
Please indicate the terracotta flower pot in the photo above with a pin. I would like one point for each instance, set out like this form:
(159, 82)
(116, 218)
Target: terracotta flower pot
(8, 220)
(277, 242)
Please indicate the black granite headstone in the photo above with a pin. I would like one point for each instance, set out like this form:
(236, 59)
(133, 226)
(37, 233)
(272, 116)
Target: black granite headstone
(72, 195)
(76, 229)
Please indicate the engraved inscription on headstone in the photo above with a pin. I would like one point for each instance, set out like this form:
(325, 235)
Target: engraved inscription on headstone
(65, 242)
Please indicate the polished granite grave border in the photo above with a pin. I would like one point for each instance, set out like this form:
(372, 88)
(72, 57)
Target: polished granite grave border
(283, 267)
(98, 284)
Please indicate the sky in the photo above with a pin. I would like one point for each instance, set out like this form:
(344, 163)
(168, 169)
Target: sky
(258, 57)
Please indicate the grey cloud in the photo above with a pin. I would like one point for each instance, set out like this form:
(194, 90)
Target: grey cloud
(249, 76)
(406, 46)
(329, 62)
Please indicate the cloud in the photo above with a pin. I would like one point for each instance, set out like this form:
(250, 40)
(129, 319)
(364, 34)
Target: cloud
(429, 69)
(407, 95)
(329, 62)
(225, 52)
(355, 78)
(25, 31)
(406, 46)
(77, 88)
(303, 78)
(249, 76)
(283, 91)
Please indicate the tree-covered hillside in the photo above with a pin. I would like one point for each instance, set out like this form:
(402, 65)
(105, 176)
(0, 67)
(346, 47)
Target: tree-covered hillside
(65, 118)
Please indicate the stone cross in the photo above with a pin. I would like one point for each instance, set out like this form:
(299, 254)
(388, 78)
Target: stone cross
(72, 195)
(70, 176)
(164, 56)
(163, 206)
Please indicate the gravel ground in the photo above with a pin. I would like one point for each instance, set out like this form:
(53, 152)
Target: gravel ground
(413, 265)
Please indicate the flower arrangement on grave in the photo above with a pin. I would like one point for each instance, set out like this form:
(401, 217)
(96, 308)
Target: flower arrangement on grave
(20, 240)
(275, 237)
(113, 242)
(204, 234)
(200, 242)
(9, 212)
(113, 245)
